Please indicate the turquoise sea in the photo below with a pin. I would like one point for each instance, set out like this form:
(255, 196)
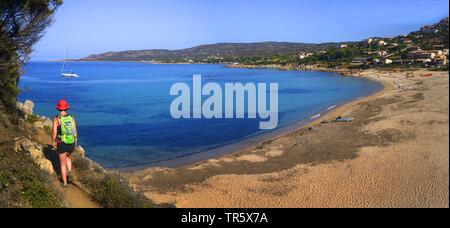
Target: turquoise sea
(123, 109)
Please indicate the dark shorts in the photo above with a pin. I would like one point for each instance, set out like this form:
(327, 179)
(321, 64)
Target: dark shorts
(65, 148)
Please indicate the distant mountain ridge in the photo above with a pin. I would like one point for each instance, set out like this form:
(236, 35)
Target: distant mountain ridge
(427, 37)
(224, 51)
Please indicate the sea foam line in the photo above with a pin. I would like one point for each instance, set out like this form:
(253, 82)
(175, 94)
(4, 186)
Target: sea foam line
(331, 107)
(316, 116)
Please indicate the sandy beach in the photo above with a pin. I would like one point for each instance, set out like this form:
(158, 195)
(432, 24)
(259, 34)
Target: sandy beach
(394, 154)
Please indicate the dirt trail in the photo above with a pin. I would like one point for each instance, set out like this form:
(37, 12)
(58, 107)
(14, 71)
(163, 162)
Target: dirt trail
(78, 198)
(75, 196)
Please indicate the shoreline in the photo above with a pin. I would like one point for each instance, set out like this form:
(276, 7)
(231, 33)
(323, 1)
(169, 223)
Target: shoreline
(246, 143)
(396, 147)
(242, 145)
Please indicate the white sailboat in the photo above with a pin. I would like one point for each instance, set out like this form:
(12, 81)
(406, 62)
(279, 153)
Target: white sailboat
(68, 74)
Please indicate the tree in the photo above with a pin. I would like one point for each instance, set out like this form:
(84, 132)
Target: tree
(22, 24)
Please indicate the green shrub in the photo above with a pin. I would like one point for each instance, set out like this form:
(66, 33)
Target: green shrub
(113, 192)
(37, 193)
(4, 180)
(81, 164)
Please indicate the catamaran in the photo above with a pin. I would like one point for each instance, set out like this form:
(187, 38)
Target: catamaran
(68, 74)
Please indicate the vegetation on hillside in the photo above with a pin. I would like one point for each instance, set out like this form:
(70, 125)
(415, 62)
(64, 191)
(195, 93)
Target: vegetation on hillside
(109, 189)
(375, 52)
(436, 34)
(22, 183)
(213, 53)
(22, 24)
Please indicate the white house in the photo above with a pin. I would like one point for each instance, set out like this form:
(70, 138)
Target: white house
(445, 51)
(421, 55)
(305, 55)
(381, 53)
(437, 52)
(382, 43)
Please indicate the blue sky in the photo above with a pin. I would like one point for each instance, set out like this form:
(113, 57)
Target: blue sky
(89, 27)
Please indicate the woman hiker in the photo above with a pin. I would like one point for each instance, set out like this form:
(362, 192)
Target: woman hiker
(64, 136)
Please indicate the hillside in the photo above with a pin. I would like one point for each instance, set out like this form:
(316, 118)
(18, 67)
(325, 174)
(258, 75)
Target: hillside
(427, 47)
(406, 50)
(212, 52)
(436, 34)
(29, 166)
(29, 170)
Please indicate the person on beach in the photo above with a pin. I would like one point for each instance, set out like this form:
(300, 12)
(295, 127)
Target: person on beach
(64, 139)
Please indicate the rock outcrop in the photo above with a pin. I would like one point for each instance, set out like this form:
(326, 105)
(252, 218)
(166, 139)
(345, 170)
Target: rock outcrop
(80, 151)
(27, 110)
(35, 151)
(26, 107)
(43, 122)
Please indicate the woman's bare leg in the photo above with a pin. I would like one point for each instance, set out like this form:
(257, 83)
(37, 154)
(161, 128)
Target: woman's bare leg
(69, 162)
(63, 164)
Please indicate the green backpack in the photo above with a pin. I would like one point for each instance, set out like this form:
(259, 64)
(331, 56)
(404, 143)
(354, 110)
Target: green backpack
(67, 129)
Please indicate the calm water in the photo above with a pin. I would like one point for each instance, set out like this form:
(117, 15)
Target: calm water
(123, 115)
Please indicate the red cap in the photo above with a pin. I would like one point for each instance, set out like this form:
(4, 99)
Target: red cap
(62, 105)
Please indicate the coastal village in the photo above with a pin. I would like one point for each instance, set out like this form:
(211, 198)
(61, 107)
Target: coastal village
(387, 52)
(426, 48)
